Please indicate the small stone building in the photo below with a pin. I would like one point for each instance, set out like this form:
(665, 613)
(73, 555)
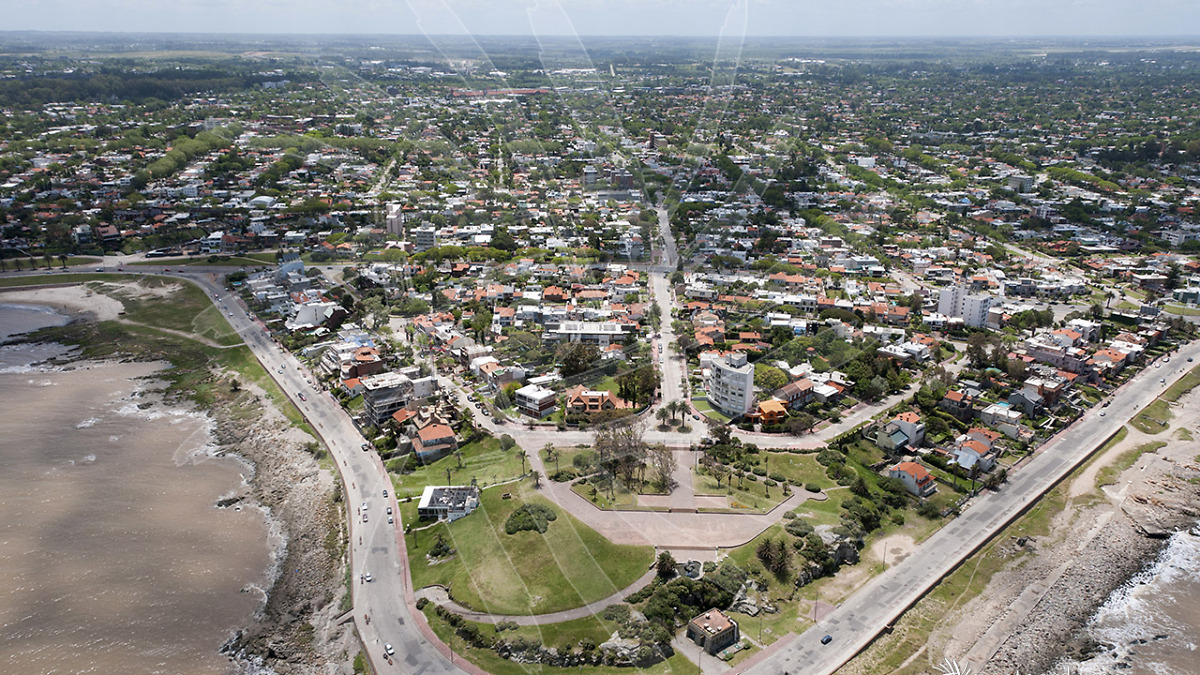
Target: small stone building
(713, 631)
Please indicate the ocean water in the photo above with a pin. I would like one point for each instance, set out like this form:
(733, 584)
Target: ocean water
(1153, 622)
(114, 557)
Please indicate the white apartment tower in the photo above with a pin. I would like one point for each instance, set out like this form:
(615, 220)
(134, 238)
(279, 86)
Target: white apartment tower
(731, 385)
(971, 308)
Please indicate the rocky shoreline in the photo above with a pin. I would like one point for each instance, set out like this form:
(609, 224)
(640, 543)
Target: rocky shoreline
(1160, 495)
(296, 631)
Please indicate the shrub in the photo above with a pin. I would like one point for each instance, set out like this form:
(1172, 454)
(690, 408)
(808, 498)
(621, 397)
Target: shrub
(812, 487)
(778, 478)
(422, 603)
(534, 517)
(618, 613)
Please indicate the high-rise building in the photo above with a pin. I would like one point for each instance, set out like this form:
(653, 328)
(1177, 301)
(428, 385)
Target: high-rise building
(973, 309)
(730, 385)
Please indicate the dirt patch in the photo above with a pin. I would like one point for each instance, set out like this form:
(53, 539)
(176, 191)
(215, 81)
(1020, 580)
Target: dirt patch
(894, 549)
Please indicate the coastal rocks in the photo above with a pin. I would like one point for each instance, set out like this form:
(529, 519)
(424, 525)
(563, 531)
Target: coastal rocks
(1162, 497)
(296, 631)
(743, 603)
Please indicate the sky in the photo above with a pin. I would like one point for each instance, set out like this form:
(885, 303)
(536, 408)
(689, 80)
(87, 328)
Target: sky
(917, 18)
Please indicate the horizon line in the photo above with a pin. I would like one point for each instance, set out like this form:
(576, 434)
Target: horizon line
(843, 36)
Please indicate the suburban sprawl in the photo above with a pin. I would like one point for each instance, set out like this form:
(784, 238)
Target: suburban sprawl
(656, 357)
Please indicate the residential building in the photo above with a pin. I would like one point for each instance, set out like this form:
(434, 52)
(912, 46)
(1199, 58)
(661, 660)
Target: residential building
(582, 401)
(596, 333)
(730, 385)
(425, 238)
(796, 394)
(447, 502)
(916, 478)
(535, 400)
(713, 631)
(957, 301)
(433, 442)
(385, 393)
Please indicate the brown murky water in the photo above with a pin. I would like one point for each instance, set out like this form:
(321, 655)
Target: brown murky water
(113, 555)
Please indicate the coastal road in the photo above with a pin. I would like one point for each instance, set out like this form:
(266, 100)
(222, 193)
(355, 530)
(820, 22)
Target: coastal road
(877, 605)
(375, 545)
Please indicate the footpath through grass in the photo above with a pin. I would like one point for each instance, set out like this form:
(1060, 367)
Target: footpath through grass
(568, 566)
(556, 635)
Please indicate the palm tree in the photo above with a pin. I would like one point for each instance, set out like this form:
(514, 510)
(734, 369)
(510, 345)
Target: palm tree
(537, 477)
(663, 415)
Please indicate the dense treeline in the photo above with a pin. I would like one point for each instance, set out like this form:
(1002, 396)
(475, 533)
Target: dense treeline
(106, 85)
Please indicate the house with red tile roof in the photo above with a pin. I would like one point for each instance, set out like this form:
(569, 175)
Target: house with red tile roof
(916, 478)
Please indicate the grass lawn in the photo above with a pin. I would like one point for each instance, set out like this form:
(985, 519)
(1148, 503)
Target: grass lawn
(42, 280)
(708, 411)
(233, 260)
(482, 459)
(798, 469)
(620, 499)
(606, 384)
(1181, 310)
(1185, 384)
(556, 635)
(743, 494)
(527, 572)
(1154, 418)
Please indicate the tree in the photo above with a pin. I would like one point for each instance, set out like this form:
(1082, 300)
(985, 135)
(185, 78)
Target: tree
(537, 478)
(663, 414)
(621, 449)
(977, 350)
(769, 378)
(576, 357)
(507, 442)
(665, 566)
(664, 464)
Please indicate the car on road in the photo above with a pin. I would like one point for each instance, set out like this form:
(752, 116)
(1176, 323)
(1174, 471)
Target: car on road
(390, 520)
(695, 417)
(827, 639)
(385, 493)
(389, 510)
(366, 447)
(497, 420)
(1163, 380)
(302, 396)
(387, 649)
(364, 517)
(1102, 413)
(367, 577)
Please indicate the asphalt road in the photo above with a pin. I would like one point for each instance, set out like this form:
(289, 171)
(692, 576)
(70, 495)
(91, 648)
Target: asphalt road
(878, 604)
(375, 545)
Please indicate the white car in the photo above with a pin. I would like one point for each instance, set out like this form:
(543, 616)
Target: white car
(387, 649)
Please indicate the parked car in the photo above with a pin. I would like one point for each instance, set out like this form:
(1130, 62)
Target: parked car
(385, 493)
(387, 649)
(302, 396)
(366, 447)
(827, 639)
(368, 578)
